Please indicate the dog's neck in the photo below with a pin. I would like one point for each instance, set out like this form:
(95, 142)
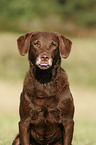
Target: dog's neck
(45, 76)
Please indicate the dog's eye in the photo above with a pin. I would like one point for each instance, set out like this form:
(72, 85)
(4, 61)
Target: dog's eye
(36, 43)
(53, 44)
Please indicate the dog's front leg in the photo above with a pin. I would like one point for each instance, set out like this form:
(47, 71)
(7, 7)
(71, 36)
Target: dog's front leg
(24, 131)
(68, 131)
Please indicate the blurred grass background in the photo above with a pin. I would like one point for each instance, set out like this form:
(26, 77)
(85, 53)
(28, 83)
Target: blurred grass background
(77, 21)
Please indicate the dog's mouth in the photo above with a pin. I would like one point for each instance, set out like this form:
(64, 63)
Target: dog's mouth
(44, 62)
(43, 66)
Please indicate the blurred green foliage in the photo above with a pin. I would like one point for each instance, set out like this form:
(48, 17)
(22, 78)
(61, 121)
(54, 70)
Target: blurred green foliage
(22, 15)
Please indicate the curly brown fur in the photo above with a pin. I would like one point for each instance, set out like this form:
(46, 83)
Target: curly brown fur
(46, 103)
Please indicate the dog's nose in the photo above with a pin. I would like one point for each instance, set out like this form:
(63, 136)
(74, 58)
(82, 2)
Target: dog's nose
(44, 58)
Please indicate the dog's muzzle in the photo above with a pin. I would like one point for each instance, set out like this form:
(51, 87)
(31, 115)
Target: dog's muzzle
(44, 61)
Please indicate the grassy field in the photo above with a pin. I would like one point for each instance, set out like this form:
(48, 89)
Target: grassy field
(80, 67)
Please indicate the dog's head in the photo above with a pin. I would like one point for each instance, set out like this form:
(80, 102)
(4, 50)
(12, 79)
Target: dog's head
(44, 48)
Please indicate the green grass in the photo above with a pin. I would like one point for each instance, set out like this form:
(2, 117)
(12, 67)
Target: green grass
(8, 128)
(84, 133)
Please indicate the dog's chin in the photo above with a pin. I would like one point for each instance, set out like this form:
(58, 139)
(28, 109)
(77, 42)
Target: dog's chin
(44, 66)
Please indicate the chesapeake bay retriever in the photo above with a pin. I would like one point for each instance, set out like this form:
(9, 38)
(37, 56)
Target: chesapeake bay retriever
(46, 104)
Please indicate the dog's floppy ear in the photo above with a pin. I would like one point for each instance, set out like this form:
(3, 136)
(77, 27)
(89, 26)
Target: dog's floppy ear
(64, 46)
(23, 43)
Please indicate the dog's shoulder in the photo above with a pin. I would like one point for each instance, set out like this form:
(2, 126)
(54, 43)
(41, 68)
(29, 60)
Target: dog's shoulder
(61, 81)
(28, 85)
(63, 76)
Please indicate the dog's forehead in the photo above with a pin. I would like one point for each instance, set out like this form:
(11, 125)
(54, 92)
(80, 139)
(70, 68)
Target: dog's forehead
(42, 36)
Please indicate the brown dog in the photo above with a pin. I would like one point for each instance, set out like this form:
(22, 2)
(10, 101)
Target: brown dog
(46, 104)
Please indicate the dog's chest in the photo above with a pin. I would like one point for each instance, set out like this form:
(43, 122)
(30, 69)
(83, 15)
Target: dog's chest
(44, 90)
(46, 110)
(43, 116)
(45, 120)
